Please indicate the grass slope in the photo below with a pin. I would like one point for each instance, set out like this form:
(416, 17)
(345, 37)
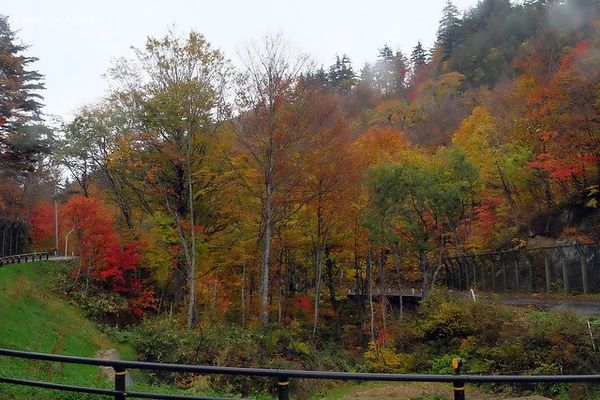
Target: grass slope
(34, 318)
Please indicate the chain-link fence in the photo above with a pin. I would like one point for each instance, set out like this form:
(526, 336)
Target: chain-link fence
(13, 236)
(571, 268)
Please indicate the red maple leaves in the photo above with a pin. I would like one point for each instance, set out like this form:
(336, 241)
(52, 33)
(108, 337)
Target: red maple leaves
(562, 169)
(101, 251)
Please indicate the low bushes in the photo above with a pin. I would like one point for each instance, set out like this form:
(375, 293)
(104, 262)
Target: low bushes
(288, 347)
(490, 337)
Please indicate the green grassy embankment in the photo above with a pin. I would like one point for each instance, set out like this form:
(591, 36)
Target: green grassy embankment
(35, 318)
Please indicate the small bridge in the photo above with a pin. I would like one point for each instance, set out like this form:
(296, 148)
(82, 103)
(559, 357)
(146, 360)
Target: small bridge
(571, 269)
(408, 296)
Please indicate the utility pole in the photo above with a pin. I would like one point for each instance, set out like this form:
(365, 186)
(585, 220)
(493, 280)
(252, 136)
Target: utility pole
(56, 223)
(67, 242)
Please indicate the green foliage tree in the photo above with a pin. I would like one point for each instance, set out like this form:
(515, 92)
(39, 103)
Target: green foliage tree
(24, 141)
(87, 147)
(417, 202)
(387, 77)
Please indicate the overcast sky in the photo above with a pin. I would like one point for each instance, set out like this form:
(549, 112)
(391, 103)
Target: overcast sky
(76, 40)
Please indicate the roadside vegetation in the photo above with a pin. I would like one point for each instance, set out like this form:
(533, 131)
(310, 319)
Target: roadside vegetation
(491, 338)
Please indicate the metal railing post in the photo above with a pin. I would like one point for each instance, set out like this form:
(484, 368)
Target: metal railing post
(283, 388)
(120, 382)
(458, 385)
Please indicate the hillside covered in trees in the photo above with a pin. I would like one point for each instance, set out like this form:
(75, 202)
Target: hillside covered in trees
(205, 194)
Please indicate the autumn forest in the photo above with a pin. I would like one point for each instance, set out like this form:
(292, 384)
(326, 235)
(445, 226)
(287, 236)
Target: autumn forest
(255, 198)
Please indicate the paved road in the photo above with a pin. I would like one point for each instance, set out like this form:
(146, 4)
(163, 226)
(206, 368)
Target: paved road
(61, 258)
(582, 308)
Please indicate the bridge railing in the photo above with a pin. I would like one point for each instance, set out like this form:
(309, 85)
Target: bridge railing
(281, 377)
(18, 258)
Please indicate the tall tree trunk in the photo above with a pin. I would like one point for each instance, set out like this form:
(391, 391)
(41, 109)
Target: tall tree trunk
(424, 271)
(192, 259)
(264, 271)
(333, 301)
(370, 288)
(243, 295)
(438, 267)
(359, 291)
(399, 280)
(251, 289)
(382, 287)
(318, 279)
(318, 251)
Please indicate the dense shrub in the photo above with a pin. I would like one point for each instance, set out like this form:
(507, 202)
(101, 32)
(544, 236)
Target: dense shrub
(277, 346)
(491, 338)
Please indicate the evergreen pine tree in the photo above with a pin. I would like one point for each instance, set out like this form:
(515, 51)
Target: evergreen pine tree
(449, 35)
(389, 74)
(418, 61)
(19, 103)
(321, 77)
(418, 57)
(341, 74)
(386, 53)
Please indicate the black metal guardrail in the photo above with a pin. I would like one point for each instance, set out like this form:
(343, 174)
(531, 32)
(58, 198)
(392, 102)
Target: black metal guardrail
(18, 258)
(281, 376)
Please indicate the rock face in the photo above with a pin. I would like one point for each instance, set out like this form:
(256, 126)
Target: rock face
(108, 372)
(552, 224)
(537, 241)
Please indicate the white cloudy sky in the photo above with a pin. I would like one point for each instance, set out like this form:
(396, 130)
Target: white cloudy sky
(75, 40)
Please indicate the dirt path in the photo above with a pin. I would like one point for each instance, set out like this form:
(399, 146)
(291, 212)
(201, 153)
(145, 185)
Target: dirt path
(419, 390)
(108, 372)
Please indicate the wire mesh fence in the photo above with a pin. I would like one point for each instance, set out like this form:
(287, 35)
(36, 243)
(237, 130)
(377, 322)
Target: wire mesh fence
(572, 269)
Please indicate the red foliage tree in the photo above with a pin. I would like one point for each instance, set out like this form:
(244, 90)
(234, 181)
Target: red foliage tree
(121, 265)
(93, 227)
(42, 227)
(103, 258)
